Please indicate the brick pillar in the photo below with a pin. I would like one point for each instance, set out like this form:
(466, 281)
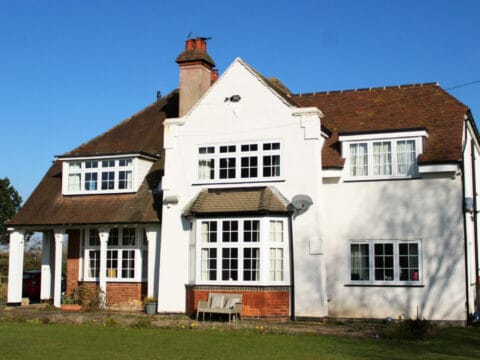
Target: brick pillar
(73, 260)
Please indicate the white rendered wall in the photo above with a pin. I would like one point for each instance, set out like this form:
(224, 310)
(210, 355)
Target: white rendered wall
(426, 209)
(259, 115)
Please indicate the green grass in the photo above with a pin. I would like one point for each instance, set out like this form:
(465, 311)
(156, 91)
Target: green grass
(56, 341)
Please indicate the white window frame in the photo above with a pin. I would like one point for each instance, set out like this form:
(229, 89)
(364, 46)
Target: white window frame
(211, 152)
(137, 248)
(396, 263)
(392, 138)
(264, 244)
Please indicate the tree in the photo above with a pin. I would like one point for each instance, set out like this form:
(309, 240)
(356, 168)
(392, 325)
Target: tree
(10, 202)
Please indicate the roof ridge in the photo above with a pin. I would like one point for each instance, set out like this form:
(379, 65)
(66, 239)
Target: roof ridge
(387, 87)
(130, 118)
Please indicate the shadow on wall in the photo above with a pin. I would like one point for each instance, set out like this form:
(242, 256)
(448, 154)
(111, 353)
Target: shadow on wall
(429, 211)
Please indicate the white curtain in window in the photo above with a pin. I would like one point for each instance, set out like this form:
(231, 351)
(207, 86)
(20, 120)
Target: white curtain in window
(358, 159)
(406, 157)
(382, 158)
(204, 169)
(74, 182)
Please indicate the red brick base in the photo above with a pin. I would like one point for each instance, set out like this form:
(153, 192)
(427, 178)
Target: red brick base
(73, 262)
(256, 302)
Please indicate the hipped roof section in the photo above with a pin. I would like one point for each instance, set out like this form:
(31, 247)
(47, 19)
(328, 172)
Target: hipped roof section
(141, 133)
(246, 200)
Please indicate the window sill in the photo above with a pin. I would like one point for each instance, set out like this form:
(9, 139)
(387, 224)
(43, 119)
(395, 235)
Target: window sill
(383, 284)
(237, 181)
(112, 280)
(113, 192)
(382, 178)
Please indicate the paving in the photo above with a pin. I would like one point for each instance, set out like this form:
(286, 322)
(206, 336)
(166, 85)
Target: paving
(43, 313)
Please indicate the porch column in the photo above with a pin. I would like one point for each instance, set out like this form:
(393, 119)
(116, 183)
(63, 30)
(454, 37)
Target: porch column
(153, 238)
(15, 268)
(103, 234)
(57, 282)
(47, 263)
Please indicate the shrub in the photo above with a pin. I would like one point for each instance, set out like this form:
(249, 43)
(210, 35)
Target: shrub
(3, 292)
(142, 323)
(109, 321)
(409, 329)
(90, 297)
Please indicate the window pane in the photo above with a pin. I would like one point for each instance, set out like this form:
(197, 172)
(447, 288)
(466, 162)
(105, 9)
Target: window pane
(384, 262)
(359, 259)
(271, 165)
(108, 180)
(74, 182)
(208, 264)
(128, 236)
(249, 167)
(382, 158)
(206, 169)
(230, 231)
(124, 179)
(93, 238)
(229, 264)
(251, 264)
(406, 157)
(75, 165)
(90, 181)
(93, 263)
(227, 168)
(113, 237)
(251, 231)
(408, 260)
(358, 160)
(276, 264)
(112, 263)
(128, 264)
(209, 231)
(276, 231)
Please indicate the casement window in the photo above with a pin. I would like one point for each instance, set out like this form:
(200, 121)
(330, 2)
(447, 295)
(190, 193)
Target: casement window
(124, 257)
(99, 176)
(380, 156)
(393, 262)
(242, 251)
(234, 162)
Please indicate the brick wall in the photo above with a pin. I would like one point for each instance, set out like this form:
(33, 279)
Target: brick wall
(256, 302)
(123, 293)
(73, 260)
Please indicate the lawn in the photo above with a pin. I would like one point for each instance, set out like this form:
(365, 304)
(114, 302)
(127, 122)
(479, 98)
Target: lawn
(60, 341)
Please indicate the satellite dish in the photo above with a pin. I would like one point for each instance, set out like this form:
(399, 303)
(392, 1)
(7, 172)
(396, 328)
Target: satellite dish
(300, 204)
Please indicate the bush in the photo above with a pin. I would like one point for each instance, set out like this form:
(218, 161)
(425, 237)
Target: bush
(142, 323)
(409, 329)
(90, 297)
(3, 292)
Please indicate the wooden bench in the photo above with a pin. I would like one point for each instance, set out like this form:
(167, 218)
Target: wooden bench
(230, 304)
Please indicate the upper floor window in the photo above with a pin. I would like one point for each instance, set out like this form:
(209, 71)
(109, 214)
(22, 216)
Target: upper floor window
(98, 176)
(234, 162)
(392, 155)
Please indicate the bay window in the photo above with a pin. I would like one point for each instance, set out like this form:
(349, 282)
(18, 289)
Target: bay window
(233, 162)
(385, 262)
(241, 251)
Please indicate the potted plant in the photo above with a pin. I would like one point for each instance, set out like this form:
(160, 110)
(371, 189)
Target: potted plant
(150, 304)
(70, 303)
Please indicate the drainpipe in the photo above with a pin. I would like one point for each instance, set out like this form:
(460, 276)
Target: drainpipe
(467, 300)
(292, 271)
(474, 216)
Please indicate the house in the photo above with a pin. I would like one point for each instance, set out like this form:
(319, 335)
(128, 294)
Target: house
(358, 203)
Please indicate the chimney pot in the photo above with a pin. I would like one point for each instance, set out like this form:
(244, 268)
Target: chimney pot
(200, 44)
(189, 44)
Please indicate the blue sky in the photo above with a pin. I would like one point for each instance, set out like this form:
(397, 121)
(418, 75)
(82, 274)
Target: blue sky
(70, 70)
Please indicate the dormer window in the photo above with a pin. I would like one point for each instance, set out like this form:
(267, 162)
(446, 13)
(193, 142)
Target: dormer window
(388, 155)
(104, 175)
(239, 162)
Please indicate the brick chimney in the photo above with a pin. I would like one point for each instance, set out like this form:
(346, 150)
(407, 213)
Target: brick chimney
(195, 73)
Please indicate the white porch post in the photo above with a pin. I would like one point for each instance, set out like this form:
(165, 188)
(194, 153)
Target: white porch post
(57, 282)
(153, 238)
(15, 268)
(103, 234)
(47, 263)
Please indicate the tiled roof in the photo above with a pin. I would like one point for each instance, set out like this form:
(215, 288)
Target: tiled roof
(237, 200)
(425, 106)
(142, 132)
